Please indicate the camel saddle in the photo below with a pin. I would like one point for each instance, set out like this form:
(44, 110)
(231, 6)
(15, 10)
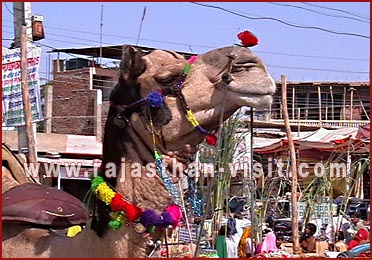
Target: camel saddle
(44, 206)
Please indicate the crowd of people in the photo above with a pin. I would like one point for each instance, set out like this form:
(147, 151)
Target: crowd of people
(351, 234)
(235, 240)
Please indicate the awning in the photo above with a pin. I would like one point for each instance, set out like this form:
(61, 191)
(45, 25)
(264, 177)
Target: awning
(355, 140)
(110, 52)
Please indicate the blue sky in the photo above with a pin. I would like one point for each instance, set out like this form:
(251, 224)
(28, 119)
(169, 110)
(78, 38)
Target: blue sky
(300, 54)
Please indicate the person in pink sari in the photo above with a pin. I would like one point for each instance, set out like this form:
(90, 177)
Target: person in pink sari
(269, 243)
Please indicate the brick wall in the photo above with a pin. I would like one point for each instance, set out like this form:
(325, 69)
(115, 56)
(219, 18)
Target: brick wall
(73, 103)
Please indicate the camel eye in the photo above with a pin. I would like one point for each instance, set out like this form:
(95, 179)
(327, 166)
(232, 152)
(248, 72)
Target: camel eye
(237, 69)
(167, 78)
(243, 65)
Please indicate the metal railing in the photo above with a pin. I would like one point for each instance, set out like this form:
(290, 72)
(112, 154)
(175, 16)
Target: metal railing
(324, 123)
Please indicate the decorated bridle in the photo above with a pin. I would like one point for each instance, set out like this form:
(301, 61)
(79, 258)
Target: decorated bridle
(123, 211)
(156, 99)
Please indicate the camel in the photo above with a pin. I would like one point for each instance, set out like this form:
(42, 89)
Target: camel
(217, 84)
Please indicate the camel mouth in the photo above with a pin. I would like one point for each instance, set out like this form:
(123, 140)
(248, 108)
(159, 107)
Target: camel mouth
(256, 93)
(256, 90)
(259, 101)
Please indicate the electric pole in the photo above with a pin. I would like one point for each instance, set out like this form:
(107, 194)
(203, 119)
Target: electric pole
(23, 34)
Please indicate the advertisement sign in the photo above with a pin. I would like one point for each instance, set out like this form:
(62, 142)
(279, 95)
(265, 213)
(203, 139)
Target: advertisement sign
(12, 104)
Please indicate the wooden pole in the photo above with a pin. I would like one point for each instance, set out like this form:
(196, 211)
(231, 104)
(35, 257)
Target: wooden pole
(344, 105)
(307, 106)
(255, 234)
(361, 104)
(31, 155)
(48, 108)
(351, 103)
(332, 103)
(293, 168)
(293, 103)
(320, 103)
(298, 120)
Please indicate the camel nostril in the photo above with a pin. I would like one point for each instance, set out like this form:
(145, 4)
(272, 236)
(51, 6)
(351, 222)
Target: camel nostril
(226, 77)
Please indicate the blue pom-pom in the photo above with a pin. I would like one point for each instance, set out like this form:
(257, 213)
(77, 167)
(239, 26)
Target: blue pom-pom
(166, 219)
(149, 218)
(155, 99)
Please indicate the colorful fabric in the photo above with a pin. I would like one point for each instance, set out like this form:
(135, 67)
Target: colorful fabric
(232, 249)
(221, 246)
(244, 246)
(361, 235)
(269, 243)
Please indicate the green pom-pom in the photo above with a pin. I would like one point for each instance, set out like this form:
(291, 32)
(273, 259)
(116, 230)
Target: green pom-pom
(114, 224)
(152, 229)
(96, 182)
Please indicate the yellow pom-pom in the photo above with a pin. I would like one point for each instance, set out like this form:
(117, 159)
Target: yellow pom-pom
(105, 193)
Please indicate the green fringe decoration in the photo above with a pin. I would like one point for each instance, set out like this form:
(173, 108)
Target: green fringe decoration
(96, 182)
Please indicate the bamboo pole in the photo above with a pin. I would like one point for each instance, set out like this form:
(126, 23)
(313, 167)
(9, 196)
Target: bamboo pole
(255, 233)
(186, 219)
(362, 106)
(293, 167)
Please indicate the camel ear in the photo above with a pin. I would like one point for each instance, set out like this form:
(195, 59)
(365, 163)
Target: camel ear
(131, 65)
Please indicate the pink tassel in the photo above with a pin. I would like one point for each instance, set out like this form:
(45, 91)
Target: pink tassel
(176, 214)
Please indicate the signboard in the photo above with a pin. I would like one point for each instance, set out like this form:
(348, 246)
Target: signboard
(12, 104)
(321, 211)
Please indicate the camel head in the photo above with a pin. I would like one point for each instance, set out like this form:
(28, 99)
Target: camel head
(219, 83)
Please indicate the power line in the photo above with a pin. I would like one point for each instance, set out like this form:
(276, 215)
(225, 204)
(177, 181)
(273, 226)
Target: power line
(7, 8)
(315, 69)
(268, 65)
(283, 22)
(313, 11)
(124, 37)
(176, 43)
(335, 9)
(310, 56)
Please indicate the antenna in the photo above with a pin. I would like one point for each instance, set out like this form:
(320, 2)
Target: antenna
(143, 18)
(100, 37)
